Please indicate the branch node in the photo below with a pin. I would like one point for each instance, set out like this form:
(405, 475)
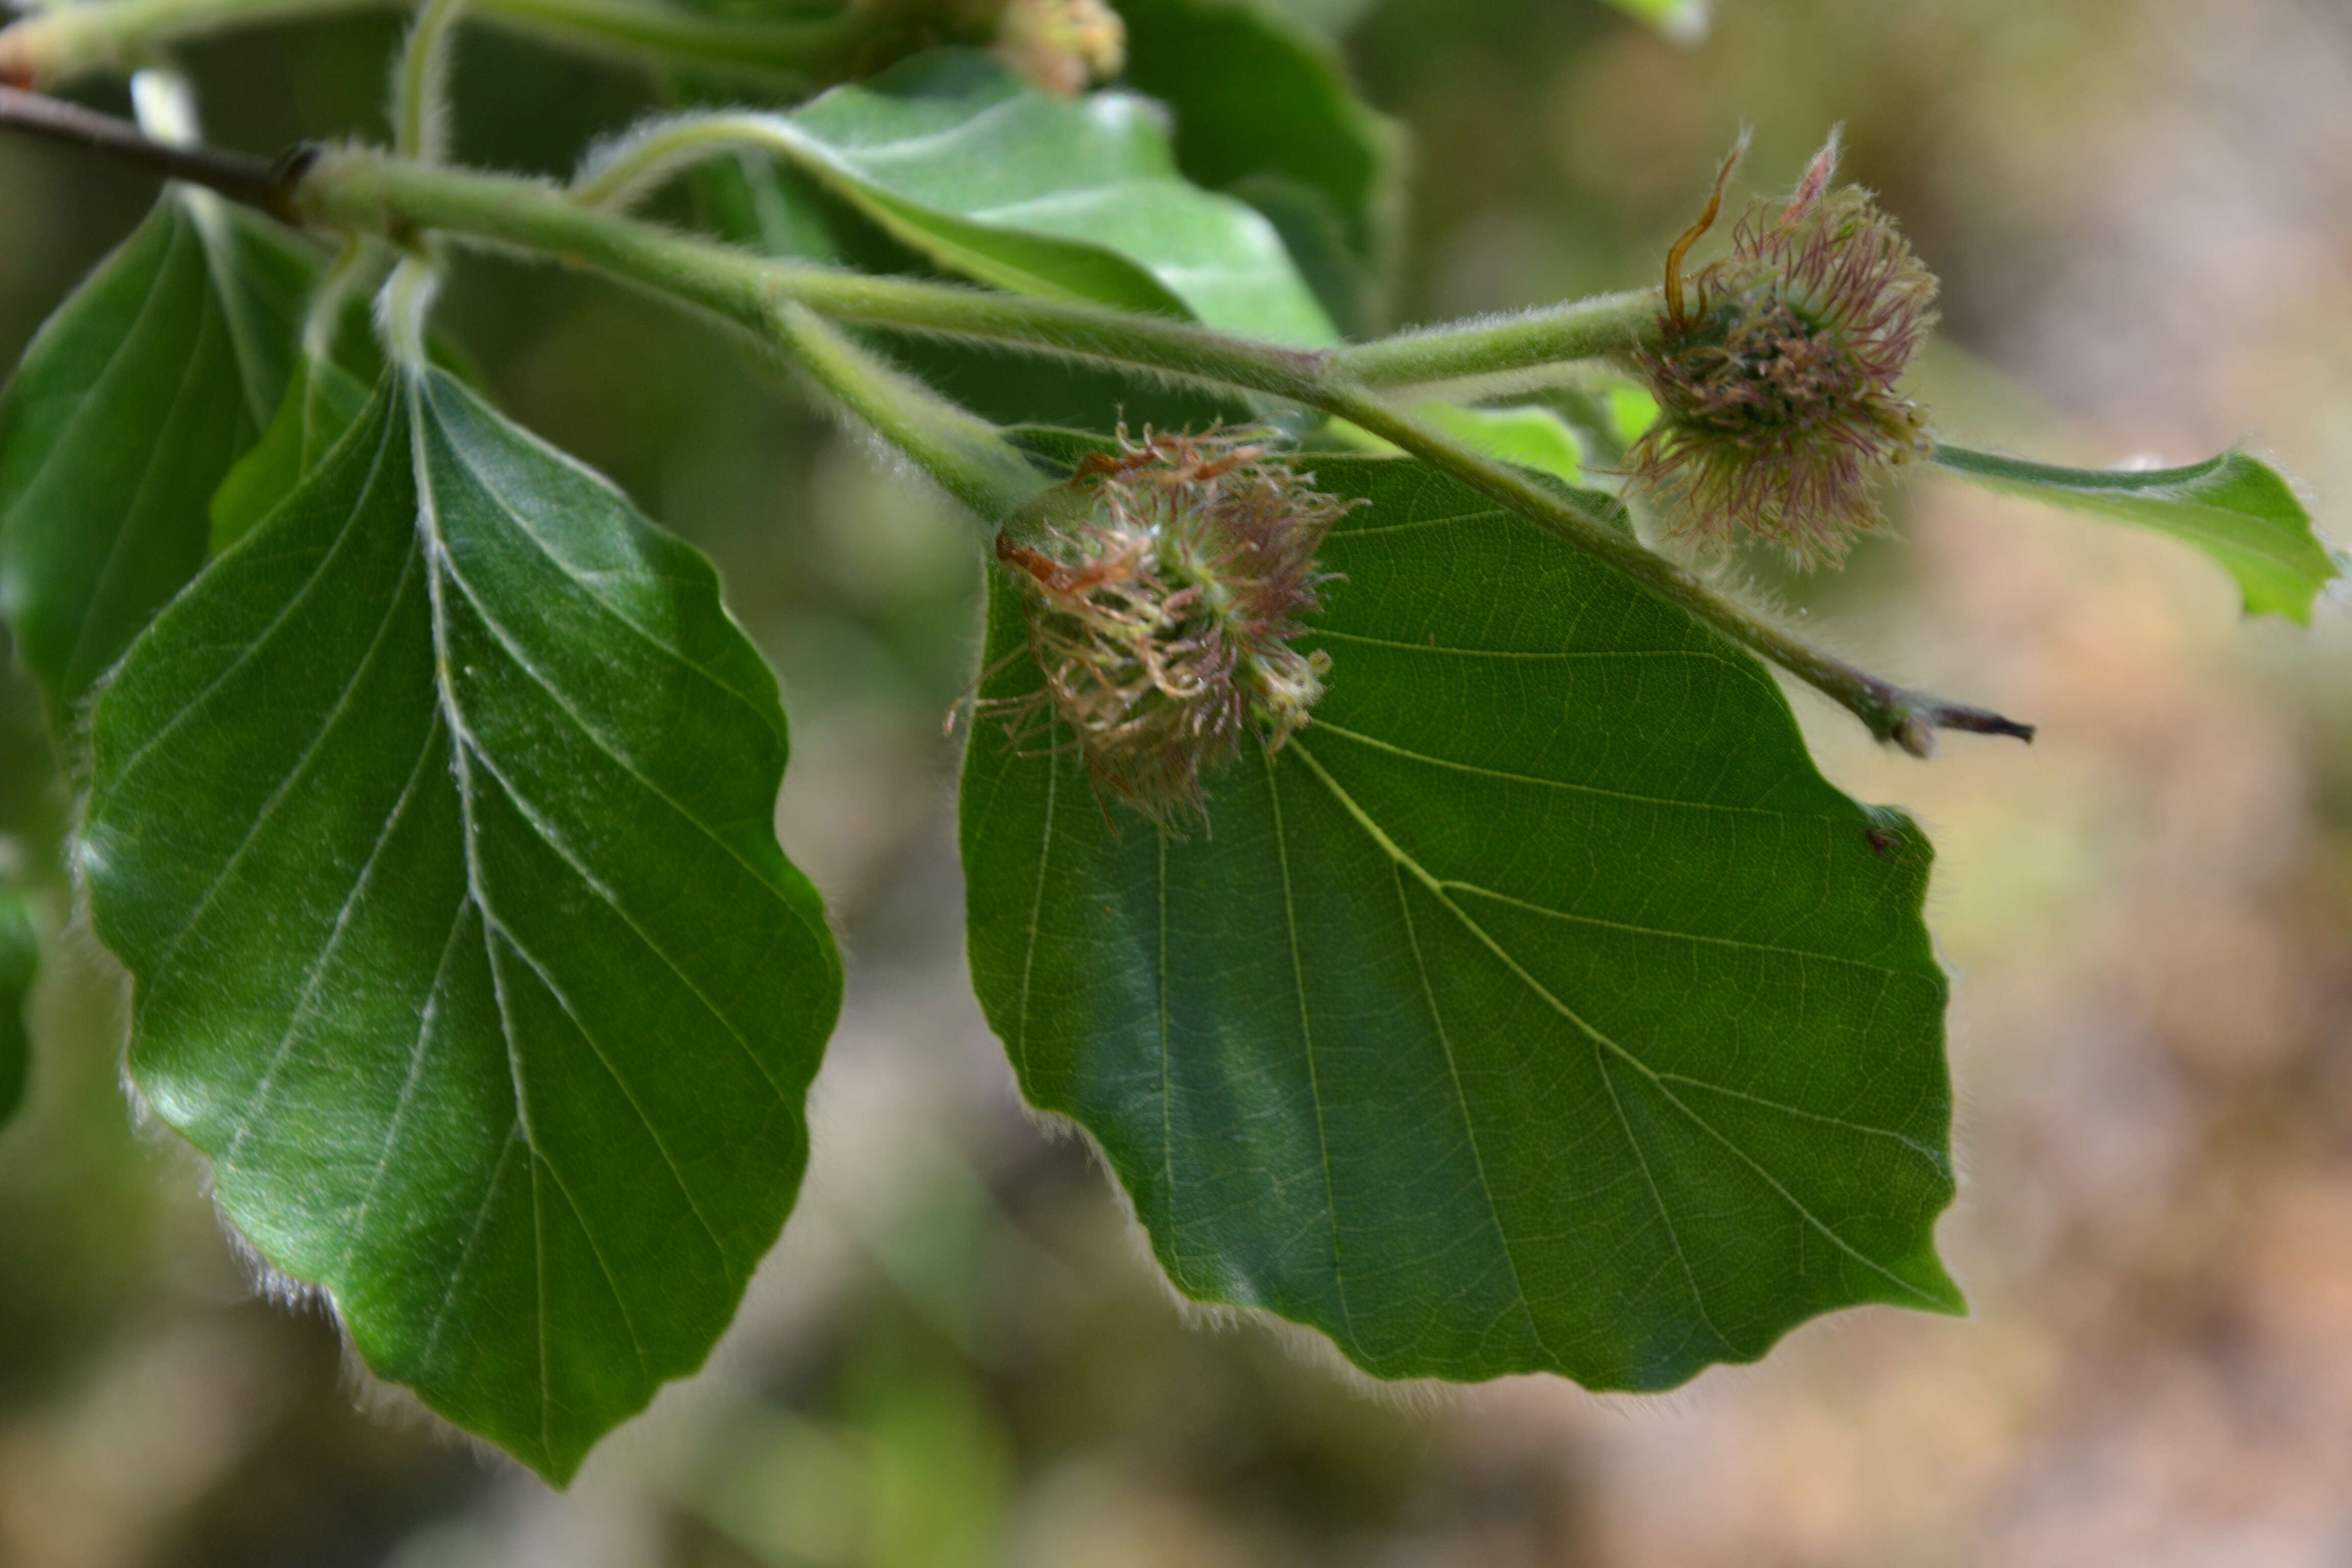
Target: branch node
(1919, 716)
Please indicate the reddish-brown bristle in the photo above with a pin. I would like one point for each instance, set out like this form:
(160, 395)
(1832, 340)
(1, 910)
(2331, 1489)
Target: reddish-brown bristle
(1777, 399)
(1161, 618)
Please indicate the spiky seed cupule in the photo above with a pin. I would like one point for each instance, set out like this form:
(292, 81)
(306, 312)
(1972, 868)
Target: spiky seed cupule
(1776, 378)
(1160, 611)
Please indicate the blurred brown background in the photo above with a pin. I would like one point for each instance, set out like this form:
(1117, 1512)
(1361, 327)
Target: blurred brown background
(2142, 211)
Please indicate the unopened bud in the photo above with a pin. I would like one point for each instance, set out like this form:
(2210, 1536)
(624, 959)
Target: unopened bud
(1064, 46)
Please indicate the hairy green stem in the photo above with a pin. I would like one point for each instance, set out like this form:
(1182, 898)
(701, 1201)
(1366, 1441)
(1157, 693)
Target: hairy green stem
(73, 41)
(360, 190)
(620, 174)
(966, 454)
(1603, 326)
(373, 194)
(1499, 349)
(420, 127)
(809, 49)
(403, 309)
(369, 194)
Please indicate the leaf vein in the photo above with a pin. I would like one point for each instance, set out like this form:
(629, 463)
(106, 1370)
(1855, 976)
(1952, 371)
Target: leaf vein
(1599, 1039)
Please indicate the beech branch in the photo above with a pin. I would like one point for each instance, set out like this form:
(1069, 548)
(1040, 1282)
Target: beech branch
(369, 192)
(248, 181)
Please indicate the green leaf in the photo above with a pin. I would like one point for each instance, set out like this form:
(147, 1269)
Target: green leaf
(1539, 1009)
(20, 960)
(775, 210)
(1632, 411)
(129, 408)
(435, 824)
(1330, 16)
(960, 159)
(322, 400)
(1685, 21)
(1532, 437)
(2238, 510)
(1264, 109)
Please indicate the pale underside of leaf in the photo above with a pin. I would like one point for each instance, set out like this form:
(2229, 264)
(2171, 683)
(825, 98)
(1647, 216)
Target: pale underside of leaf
(2236, 509)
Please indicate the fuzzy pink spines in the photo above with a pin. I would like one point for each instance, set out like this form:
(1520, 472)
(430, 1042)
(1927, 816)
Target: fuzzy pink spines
(1776, 387)
(1161, 612)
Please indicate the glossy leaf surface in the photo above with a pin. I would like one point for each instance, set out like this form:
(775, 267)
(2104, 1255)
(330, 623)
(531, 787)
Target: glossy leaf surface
(1539, 1008)
(1264, 111)
(435, 825)
(130, 405)
(965, 161)
(2238, 510)
(321, 402)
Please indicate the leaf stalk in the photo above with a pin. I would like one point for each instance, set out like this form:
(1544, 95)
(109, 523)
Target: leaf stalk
(1603, 327)
(966, 455)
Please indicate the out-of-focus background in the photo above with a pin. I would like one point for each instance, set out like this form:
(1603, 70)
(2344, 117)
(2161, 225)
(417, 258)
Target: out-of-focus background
(959, 1354)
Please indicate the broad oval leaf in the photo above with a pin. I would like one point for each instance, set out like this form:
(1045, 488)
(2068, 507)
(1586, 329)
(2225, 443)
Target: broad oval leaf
(20, 959)
(963, 160)
(1264, 111)
(2238, 511)
(435, 825)
(1539, 1009)
(130, 405)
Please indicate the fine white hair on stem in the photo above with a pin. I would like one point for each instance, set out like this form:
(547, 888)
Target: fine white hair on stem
(420, 89)
(621, 170)
(402, 307)
(358, 268)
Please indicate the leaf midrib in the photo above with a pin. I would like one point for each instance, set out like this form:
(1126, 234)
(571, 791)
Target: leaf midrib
(410, 386)
(495, 928)
(547, 833)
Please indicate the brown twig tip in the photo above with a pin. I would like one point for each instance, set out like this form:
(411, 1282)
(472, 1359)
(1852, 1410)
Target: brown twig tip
(1914, 731)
